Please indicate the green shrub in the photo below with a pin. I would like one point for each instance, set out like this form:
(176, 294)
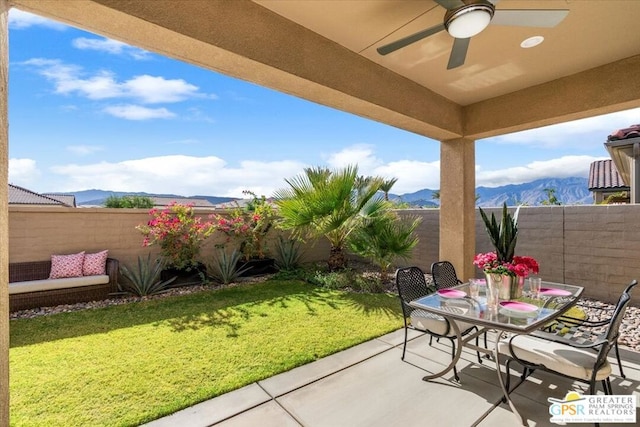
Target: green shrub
(145, 280)
(123, 202)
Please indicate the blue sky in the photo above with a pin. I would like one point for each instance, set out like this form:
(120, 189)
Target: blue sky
(86, 112)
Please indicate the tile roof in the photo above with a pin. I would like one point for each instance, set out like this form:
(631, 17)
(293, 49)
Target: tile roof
(197, 203)
(67, 199)
(604, 175)
(22, 196)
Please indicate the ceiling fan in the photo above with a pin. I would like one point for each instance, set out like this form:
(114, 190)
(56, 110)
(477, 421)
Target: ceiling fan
(466, 18)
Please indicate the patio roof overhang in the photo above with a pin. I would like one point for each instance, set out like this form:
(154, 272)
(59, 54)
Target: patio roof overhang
(625, 154)
(324, 51)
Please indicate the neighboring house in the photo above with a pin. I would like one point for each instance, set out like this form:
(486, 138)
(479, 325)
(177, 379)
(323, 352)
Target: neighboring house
(19, 196)
(161, 202)
(605, 182)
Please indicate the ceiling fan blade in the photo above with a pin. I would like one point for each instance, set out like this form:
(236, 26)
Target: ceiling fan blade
(458, 53)
(398, 44)
(450, 4)
(529, 18)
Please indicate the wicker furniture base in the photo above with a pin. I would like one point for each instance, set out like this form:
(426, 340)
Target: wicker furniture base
(39, 270)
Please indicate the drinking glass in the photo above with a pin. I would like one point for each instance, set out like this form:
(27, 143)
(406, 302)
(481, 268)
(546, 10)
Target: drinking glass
(534, 286)
(492, 292)
(474, 288)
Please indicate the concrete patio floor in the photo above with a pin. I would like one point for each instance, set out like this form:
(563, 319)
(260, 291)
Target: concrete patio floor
(368, 385)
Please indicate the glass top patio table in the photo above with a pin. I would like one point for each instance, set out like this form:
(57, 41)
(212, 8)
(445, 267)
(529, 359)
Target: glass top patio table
(474, 310)
(455, 304)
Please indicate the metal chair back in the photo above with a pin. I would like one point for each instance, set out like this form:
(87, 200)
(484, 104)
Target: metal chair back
(444, 275)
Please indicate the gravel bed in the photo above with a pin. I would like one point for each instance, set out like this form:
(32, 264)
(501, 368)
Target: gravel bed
(629, 336)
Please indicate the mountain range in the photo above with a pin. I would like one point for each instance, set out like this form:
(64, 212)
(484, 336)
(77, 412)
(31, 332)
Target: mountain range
(568, 191)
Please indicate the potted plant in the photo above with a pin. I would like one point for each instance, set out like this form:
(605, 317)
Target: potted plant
(503, 265)
(180, 234)
(248, 226)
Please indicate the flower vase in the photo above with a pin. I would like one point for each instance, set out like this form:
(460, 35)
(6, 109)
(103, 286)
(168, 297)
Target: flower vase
(517, 286)
(510, 287)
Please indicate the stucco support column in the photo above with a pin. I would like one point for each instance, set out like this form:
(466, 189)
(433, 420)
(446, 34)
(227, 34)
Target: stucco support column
(457, 205)
(4, 215)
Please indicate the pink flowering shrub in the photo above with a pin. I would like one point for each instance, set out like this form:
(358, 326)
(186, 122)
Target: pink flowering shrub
(248, 226)
(178, 232)
(519, 266)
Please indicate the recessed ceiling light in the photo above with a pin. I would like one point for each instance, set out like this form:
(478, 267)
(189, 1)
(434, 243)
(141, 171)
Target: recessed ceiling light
(532, 42)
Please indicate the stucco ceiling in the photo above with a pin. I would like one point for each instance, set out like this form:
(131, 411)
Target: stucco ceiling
(325, 51)
(594, 33)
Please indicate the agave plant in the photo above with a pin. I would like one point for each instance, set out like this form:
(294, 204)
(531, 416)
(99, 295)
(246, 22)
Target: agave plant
(503, 235)
(224, 268)
(288, 253)
(146, 279)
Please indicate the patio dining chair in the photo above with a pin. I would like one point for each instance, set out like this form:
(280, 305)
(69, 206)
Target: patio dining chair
(444, 275)
(411, 284)
(567, 358)
(581, 330)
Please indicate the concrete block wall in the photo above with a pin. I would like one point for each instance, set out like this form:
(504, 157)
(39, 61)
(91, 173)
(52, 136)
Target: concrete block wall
(596, 246)
(35, 233)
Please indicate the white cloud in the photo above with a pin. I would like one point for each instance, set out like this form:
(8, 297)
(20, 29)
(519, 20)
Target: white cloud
(69, 79)
(83, 150)
(412, 175)
(179, 174)
(23, 172)
(20, 20)
(578, 132)
(563, 167)
(136, 112)
(110, 46)
(361, 154)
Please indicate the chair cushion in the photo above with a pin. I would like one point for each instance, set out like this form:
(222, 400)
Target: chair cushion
(558, 357)
(436, 324)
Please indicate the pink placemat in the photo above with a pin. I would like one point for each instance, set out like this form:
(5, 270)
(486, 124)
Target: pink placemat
(451, 293)
(518, 307)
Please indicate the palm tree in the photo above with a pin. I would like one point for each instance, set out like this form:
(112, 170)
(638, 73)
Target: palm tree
(331, 204)
(551, 197)
(386, 238)
(386, 187)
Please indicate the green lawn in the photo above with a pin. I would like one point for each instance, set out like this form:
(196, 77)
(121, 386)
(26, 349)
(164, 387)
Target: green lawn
(125, 365)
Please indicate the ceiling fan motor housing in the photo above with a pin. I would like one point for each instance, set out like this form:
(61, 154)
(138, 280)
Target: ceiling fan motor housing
(470, 19)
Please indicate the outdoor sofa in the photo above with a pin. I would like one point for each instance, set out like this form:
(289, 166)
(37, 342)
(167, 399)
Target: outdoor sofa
(31, 287)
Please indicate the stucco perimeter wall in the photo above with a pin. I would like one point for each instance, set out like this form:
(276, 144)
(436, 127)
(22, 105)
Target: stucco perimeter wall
(35, 233)
(596, 246)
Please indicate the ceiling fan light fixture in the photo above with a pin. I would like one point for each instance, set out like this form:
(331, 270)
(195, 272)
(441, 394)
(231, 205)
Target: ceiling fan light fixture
(469, 20)
(531, 42)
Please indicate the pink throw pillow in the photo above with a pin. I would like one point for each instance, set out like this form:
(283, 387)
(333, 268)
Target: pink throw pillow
(95, 263)
(66, 265)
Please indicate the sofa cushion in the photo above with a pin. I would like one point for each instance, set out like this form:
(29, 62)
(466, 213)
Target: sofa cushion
(66, 265)
(50, 284)
(95, 263)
